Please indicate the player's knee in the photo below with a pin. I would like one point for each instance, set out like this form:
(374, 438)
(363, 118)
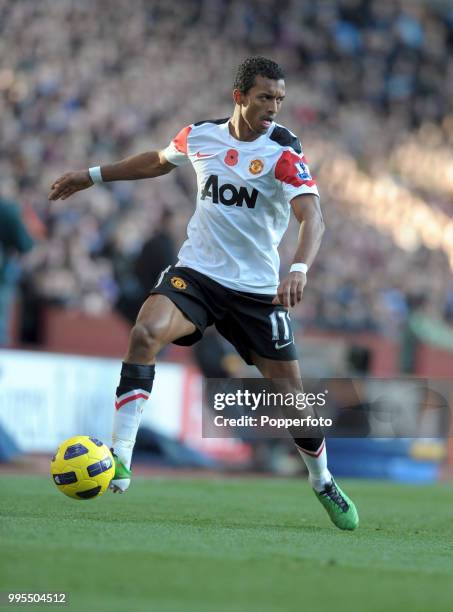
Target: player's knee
(147, 337)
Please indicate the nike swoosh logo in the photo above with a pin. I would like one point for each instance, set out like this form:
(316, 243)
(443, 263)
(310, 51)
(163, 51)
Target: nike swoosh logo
(280, 346)
(200, 155)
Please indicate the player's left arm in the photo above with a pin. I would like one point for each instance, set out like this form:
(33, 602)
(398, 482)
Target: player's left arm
(307, 210)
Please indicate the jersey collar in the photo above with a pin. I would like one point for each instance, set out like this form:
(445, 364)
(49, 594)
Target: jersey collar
(245, 144)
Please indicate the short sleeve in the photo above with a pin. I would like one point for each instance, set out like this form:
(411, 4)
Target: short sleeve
(176, 152)
(293, 172)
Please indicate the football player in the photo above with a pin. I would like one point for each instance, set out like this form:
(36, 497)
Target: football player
(251, 172)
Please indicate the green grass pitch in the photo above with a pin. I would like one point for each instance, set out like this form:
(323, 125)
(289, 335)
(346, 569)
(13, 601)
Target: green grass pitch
(258, 545)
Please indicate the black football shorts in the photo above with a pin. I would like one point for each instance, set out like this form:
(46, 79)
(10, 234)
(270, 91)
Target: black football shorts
(248, 320)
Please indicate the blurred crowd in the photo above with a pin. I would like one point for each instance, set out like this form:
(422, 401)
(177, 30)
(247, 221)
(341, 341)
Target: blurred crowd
(369, 91)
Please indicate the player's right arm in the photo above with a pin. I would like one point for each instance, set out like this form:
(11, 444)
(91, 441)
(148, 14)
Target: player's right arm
(141, 166)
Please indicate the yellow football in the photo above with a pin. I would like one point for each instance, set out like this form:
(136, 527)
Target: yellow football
(82, 467)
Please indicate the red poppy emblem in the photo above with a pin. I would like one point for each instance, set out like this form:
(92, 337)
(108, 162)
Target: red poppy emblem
(231, 157)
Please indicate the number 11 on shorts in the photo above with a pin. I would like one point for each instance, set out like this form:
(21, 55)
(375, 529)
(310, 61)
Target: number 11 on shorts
(281, 330)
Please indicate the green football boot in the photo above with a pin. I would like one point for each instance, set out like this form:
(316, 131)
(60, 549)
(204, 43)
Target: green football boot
(340, 508)
(122, 477)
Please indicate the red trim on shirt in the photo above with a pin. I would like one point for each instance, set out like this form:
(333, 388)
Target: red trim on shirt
(286, 170)
(180, 140)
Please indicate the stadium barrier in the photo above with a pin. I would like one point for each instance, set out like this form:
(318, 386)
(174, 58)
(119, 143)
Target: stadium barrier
(75, 332)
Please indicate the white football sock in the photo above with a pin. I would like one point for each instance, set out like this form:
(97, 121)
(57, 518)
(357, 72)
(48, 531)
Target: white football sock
(128, 411)
(316, 462)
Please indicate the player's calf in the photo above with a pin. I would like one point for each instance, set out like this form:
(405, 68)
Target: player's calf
(146, 340)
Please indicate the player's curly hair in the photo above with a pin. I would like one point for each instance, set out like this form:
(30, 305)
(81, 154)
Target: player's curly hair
(256, 66)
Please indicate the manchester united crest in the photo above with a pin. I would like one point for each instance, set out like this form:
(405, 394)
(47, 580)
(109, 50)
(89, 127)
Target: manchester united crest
(256, 166)
(178, 282)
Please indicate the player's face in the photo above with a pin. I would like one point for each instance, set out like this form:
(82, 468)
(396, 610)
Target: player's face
(261, 104)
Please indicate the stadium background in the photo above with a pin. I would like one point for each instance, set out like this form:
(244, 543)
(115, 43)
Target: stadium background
(370, 93)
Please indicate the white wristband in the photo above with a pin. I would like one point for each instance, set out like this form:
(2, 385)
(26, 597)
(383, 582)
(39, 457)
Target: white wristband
(299, 267)
(95, 174)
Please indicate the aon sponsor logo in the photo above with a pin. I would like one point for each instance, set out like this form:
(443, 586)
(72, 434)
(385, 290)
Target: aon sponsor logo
(228, 194)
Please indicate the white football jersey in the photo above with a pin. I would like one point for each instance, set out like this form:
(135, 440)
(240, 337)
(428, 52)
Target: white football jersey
(243, 210)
